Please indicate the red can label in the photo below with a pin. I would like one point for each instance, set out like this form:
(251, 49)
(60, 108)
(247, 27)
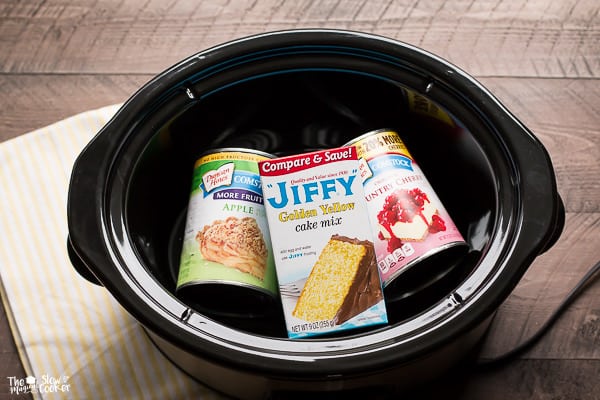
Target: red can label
(407, 217)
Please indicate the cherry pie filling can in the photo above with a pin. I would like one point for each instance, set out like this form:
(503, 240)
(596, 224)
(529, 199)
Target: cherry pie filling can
(226, 265)
(409, 222)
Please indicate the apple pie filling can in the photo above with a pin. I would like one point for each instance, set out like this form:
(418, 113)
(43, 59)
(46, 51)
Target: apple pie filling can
(226, 265)
(409, 222)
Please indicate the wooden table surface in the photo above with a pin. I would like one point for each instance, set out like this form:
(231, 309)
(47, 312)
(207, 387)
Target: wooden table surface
(541, 58)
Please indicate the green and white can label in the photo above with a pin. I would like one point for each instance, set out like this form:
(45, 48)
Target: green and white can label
(226, 238)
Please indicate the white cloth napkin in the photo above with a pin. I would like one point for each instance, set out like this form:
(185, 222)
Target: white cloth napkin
(74, 339)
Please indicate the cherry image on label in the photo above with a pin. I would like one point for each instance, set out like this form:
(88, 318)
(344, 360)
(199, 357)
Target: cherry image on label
(437, 224)
(397, 218)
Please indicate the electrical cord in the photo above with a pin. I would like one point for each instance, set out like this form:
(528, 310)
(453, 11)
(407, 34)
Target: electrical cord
(527, 344)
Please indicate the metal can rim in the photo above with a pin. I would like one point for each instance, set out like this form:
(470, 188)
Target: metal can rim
(367, 134)
(235, 149)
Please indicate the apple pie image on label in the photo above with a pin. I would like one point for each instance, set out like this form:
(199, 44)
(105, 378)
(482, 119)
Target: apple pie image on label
(235, 242)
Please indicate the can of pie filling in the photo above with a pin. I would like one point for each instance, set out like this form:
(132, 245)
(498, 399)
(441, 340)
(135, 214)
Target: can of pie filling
(409, 222)
(226, 265)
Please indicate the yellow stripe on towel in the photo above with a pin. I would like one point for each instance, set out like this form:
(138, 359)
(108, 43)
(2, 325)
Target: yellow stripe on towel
(74, 338)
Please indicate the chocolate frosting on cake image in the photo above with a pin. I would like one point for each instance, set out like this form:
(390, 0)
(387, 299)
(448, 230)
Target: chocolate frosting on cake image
(343, 282)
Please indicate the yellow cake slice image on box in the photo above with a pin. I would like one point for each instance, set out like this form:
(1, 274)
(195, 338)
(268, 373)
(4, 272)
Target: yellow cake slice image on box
(343, 282)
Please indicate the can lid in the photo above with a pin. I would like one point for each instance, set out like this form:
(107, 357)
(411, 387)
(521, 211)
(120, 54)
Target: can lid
(236, 150)
(367, 134)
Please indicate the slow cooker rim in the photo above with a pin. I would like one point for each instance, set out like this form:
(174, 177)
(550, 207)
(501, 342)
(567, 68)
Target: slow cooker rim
(139, 104)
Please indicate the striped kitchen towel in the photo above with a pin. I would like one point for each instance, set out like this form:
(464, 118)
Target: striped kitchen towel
(74, 339)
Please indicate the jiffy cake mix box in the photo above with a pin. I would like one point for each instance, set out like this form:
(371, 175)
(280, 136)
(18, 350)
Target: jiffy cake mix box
(322, 242)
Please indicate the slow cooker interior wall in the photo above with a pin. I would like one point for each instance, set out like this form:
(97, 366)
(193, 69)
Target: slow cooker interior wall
(295, 112)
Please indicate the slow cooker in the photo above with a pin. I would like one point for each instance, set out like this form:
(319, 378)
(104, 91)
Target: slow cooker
(292, 91)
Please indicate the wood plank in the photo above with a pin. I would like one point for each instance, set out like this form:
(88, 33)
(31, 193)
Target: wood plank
(532, 379)
(576, 335)
(565, 116)
(522, 379)
(486, 38)
(10, 363)
(29, 102)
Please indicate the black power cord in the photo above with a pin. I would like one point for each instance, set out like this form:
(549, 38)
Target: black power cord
(527, 344)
